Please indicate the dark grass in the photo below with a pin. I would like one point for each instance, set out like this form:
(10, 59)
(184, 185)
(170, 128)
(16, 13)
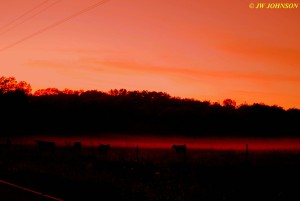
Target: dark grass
(160, 174)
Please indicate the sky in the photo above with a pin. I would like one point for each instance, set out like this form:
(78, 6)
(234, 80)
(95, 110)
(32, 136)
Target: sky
(206, 50)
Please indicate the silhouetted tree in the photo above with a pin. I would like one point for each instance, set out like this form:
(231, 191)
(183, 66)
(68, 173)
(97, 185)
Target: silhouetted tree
(47, 92)
(120, 111)
(10, 84)
(229, 103)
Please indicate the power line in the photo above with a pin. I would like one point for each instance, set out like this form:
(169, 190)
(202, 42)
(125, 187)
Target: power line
(22, 15)
(30, 17)
(30, 190)
(54, 24)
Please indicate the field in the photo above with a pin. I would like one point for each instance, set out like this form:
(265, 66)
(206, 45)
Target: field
(159, 174)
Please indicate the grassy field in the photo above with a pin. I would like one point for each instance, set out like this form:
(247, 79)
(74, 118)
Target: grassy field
(160, 174)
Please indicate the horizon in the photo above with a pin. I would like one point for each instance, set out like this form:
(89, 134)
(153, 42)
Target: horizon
(56, 91)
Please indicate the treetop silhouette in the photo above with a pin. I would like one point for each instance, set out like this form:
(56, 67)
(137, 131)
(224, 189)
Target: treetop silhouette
(51, 110)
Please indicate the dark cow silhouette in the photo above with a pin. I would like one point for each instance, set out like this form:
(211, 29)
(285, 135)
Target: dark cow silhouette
(103, 149)
(45, 146)
(180, 149)
(6, 146)
(77, 146)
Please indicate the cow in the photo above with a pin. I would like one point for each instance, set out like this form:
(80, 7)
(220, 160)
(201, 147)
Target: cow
(45, 146)
(103, 149)
(77, 146)
(180, 149)
(6, 146)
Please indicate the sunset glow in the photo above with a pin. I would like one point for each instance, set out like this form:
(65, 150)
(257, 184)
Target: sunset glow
(208, 143)
(207, 50)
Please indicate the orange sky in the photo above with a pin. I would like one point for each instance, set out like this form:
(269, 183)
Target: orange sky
(207, 50)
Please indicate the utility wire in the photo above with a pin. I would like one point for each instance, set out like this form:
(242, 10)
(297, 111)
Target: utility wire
(30, 190)
(24, 14)
(30, 17)
(54, 24)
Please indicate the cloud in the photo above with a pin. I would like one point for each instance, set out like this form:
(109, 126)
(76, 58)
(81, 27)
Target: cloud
(275, 53)
(120, 66)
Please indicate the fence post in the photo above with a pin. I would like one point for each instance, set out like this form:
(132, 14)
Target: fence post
(137, 152)
(247, 153)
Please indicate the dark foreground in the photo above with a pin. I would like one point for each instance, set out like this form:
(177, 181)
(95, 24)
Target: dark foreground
(157, 175)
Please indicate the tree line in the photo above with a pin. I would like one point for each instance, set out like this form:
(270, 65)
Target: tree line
(79, 112)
